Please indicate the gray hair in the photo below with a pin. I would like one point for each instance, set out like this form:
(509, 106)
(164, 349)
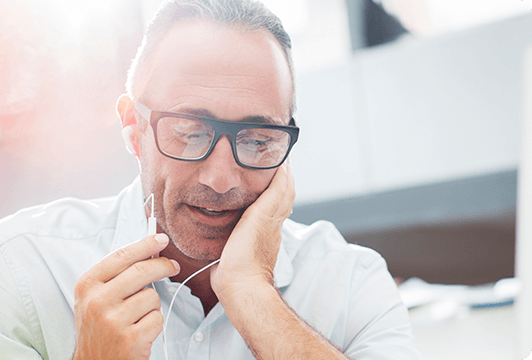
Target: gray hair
(245, 15)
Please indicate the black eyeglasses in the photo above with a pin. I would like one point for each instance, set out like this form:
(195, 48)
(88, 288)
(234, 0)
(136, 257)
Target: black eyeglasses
(191, 138)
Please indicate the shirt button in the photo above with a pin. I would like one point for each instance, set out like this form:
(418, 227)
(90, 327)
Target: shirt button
(198, 336)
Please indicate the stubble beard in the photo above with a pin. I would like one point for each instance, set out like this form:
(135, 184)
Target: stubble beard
(194, 239)
(188, 238)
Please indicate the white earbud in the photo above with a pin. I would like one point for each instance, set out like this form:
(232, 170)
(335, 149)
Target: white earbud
(127, 134)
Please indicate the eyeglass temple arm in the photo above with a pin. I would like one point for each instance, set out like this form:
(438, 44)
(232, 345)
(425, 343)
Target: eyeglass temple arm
(143, 111)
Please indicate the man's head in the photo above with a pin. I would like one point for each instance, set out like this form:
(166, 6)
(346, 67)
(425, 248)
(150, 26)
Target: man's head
(244, 15)
(221, 63)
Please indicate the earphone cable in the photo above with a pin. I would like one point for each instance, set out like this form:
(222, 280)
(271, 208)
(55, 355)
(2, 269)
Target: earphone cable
(172, 303)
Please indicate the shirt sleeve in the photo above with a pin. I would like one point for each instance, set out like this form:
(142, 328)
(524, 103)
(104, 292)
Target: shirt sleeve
(375, 302)
(20, 338)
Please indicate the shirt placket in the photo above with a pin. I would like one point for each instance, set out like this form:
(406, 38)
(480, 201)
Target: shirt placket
(188, 306)
(199, 344)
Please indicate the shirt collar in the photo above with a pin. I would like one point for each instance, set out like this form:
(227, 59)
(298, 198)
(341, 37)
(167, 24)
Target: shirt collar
(132, 225)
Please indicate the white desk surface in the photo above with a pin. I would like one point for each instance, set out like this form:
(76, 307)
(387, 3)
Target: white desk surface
(486, 334)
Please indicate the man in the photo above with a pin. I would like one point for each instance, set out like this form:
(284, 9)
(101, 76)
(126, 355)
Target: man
(76, 282)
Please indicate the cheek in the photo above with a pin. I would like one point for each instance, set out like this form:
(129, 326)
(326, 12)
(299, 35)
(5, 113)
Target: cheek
(258, 180)
(170, 174)
(160, 173)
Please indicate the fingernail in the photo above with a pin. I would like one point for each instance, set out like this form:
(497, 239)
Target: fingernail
(161, 238)
(176, 264)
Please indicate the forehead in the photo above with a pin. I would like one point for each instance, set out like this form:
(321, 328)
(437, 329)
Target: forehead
(229, 72)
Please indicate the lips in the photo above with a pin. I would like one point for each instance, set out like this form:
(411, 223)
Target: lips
(214, 217)
(211, 212)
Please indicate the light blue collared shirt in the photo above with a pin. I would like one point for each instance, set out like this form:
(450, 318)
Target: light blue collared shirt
(344, 291)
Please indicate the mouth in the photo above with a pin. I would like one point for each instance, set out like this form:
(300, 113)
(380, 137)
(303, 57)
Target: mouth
(215, 216)
(211, 212)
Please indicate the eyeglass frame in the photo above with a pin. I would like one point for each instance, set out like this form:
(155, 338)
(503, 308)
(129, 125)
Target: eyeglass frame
(220, 127)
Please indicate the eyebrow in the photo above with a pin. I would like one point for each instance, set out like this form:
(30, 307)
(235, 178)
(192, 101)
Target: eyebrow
(250, 119)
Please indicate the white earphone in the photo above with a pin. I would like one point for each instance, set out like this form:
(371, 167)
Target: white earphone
(127, 133)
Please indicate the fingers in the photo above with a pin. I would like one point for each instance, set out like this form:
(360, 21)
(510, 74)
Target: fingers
(140, 337)
(140, 274)
(278, 198)
(290, 192)
(139, 305)
(149, 327)
(250, 254)
(116, 262)
(113, 311)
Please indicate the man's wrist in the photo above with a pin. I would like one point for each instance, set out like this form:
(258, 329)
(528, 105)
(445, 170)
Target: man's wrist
(272, 329)
(245, 294)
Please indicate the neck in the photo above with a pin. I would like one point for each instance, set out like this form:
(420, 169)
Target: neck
(200, 285)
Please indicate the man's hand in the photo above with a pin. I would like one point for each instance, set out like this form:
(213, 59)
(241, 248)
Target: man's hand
(116, 316)
(249, 257)
(243, 281)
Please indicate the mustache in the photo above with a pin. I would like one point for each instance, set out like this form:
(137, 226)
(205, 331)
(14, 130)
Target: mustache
(204, 196)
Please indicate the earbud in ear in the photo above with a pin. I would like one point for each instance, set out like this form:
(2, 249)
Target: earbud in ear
(127, 134)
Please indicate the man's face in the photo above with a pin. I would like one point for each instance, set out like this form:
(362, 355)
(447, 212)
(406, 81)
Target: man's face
(211, 70)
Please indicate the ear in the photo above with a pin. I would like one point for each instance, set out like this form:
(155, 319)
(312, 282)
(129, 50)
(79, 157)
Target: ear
(126, 112)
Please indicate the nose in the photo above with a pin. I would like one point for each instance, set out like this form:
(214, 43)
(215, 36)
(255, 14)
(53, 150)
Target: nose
(219, 170)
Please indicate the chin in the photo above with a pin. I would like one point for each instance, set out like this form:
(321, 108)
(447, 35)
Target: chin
(197, 240)
(197, 245)
(201, 251)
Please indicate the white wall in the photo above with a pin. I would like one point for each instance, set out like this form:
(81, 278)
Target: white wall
(413, 112)
(410, 113)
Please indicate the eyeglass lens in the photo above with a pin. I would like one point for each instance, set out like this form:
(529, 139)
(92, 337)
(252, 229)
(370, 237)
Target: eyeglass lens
(191, 139)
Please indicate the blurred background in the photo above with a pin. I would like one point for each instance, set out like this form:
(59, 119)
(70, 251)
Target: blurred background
(411, 116)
